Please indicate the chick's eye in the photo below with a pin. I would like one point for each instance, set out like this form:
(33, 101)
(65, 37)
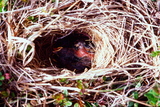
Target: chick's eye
(77, 45)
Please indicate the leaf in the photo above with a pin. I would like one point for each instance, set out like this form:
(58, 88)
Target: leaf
(28, 48)
(96, 104)
(153, 97)
(68, 103)
(135, 95)
(156, 88)
(130, 104)
(65, 80)
(65, 92)
(133, 104)
(138, 85)
(80, 84)
(13, 94)
(107, 78)
(136, 104)
(104, 78)
(32, 18)
(59, 98)
(155, 53)
(76, 105)
(5, 94)
(2, 5)
(1, 83)
(2, 78)
(88, 104)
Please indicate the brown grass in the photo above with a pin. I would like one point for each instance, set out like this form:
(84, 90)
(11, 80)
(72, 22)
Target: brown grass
(124, 34)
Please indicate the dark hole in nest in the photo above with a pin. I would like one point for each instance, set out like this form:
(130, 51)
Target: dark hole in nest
(73, 51)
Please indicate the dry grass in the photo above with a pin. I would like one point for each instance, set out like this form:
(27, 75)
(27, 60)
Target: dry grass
(124, 34)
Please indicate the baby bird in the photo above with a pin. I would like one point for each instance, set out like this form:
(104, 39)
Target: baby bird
(77, 58)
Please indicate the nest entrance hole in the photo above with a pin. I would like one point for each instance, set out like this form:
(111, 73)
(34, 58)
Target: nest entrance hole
(73, 51)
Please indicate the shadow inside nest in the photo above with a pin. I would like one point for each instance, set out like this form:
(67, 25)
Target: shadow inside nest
(71, 51)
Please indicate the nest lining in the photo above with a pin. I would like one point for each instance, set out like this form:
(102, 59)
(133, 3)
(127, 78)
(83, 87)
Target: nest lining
(58, 50)
(123, 42)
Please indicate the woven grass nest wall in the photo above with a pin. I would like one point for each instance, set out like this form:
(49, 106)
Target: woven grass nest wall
(123, 35)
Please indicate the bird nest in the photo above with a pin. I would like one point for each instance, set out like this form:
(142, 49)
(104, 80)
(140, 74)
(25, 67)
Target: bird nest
(120, 34)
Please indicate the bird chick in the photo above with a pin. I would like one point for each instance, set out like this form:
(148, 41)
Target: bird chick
(83, 51)
(77, 57)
